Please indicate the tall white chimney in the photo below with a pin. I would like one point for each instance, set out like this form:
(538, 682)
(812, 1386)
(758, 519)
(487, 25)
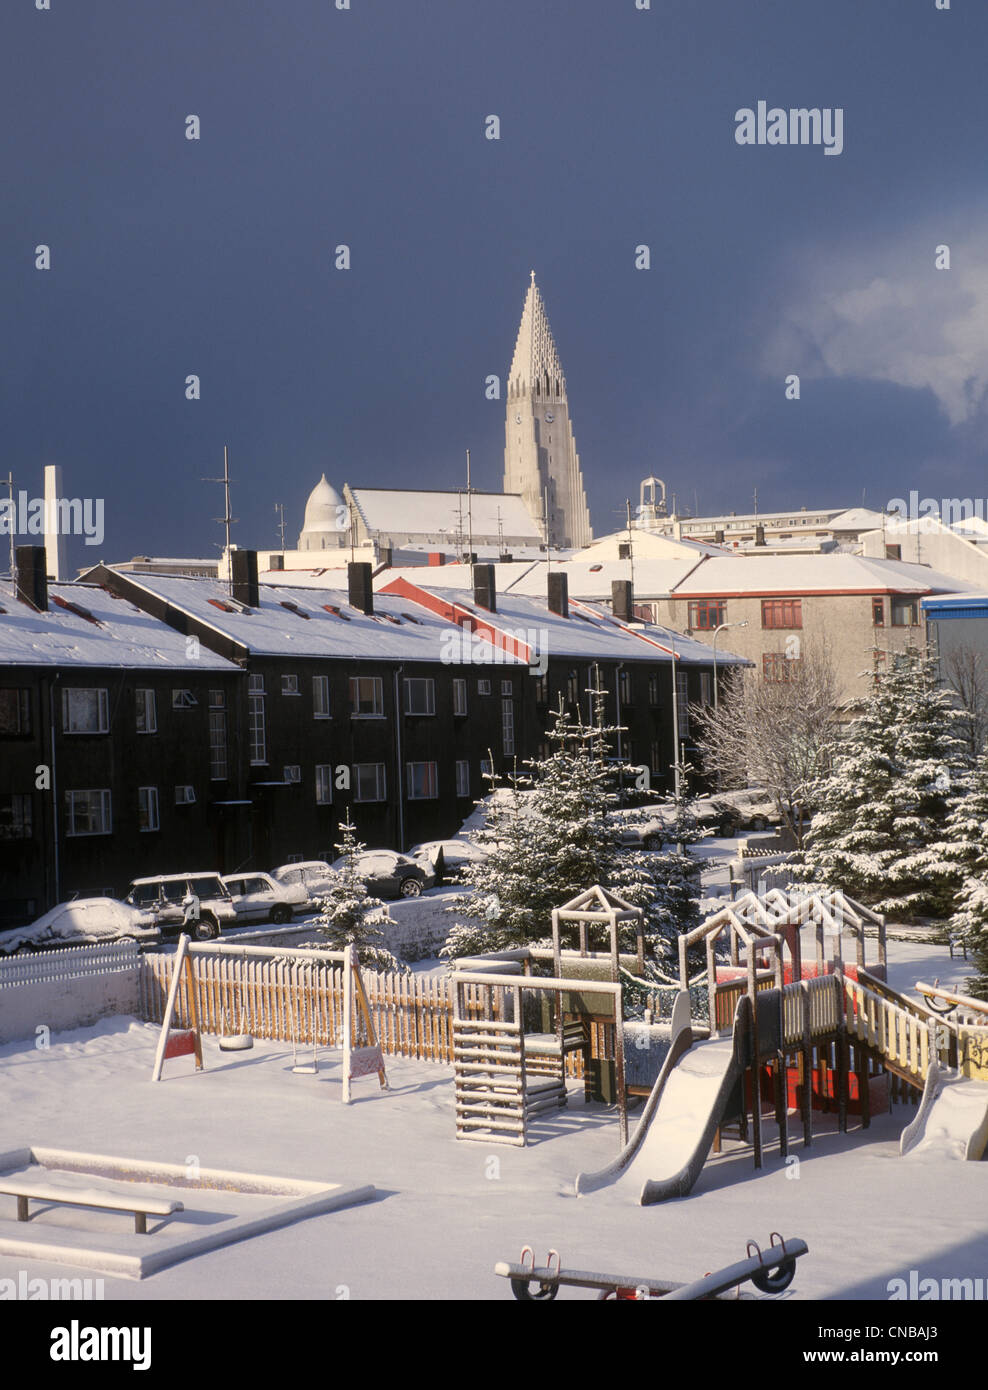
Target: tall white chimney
(54, 539)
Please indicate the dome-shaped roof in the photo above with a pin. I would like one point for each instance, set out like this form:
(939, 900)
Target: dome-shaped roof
(322, 511)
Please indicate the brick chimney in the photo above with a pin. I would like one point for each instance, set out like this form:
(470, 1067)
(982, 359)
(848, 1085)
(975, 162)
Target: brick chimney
(360, 588)
(559, 594)
(484, 588)
(622, 600)
(243, 573)
(32, 576)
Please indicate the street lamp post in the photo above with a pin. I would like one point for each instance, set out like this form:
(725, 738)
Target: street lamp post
(717, 632)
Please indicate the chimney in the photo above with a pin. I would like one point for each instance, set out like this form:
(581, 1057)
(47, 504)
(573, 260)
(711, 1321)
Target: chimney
(484, 588)
(622, 600)
(436, 558)
(559, 594)
(361, 590)
(243, 573)
(506, 559)
(54, 536)
(32, 576)
(759, 534)
(718, 537)
(276, 562)
(385, 557)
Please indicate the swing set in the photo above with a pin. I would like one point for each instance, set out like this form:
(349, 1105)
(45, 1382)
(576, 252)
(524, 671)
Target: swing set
(362, 1053)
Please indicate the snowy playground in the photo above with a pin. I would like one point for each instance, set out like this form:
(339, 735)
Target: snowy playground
(443, 1213)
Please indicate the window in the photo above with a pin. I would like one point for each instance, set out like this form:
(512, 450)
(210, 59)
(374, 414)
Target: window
(653, 689)
(893, 552)
(320, 697)
(293, 772)
(185, 795)
(624, 687)
(542, 690)
(370, 782)
(289, 685)
(147, 809)
(508, 726)
(15, 817)
(782, 612)
(183, 699)
(366, 697)
(507, 688)
(462, 778)
(217, 745)
(324, 784)
(459, 696)
(573, 688)
(15, 711)
(85, 712)
(776, 667)
(905, 611)
(420, 696)
(707, 613)
(706, 688)
(878, 612)
(255, 719)
(87, 813)
(422, 781)
(656, 756)
(483, 687)
(217, 699)
(682, 704)
(146, 711)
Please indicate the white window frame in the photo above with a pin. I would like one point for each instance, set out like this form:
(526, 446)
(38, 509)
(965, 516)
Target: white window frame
(256, 722)
(507, 687)
(378, 701)
(422, 685)
(462, 777)
(682, 704)
(218, 762)
(182, 797)
(289, 685)
(380, 782)
(429, 774)
(320, 698)
(459, 696)
(324, 784)
(149, 796)
(102, 709)
(183, 699)
(105, 811)
(483, 687)
(508, 725)
(146, 702)
(292, 772)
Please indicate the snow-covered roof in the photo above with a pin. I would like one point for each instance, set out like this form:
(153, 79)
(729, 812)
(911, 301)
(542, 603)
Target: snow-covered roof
(856, 519)
(442, 515)
(590, 632)
(292, 620)
(116, 633)
(838, 572)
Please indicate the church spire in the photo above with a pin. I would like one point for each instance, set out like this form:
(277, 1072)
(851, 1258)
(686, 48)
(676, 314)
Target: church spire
(540, 458)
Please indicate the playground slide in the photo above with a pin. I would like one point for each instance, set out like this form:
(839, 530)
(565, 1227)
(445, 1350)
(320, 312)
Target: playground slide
(952, 1120)
(680, 1118)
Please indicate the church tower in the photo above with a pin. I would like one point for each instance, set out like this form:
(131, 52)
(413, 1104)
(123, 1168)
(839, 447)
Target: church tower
(540, 458)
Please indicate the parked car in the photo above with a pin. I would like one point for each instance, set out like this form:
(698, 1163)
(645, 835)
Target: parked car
(311, 877)
(459, 857)
(652, 827)
(82, 922)
(168, 896)
(755, 808)
(391, 875)
(258, 898)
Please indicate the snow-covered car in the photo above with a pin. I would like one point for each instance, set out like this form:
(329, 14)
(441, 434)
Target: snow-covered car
(82, 922)
(647, 828)
(312, 876)
(459, 857)
(172, 898)
(755, 808)
(388, 874)
(258, 898)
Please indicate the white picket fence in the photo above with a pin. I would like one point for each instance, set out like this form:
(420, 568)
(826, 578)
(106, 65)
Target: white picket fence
(70, 962)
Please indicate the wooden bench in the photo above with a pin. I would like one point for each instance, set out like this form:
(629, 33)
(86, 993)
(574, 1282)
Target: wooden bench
(27, 1191)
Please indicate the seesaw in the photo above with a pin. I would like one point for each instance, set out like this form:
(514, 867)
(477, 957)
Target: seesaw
(770, 1271)
(950, 1000)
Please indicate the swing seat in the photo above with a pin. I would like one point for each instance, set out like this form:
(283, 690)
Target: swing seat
(237, 1042)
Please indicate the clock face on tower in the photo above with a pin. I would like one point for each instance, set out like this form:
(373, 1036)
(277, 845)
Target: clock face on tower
(549, 417)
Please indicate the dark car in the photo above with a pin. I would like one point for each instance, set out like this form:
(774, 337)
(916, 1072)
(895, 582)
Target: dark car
(391, 875)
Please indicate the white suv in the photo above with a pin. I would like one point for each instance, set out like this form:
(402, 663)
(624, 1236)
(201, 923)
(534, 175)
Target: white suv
(166, 894)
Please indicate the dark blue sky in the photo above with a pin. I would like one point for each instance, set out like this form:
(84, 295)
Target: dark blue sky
(366, 126)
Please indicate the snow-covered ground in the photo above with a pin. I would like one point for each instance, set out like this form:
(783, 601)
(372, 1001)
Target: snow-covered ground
(448, 1210)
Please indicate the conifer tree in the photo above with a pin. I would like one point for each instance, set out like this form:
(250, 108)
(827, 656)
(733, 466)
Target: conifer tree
(349, 914)
(964, 856)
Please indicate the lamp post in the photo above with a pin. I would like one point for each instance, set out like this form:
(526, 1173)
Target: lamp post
(717, 632)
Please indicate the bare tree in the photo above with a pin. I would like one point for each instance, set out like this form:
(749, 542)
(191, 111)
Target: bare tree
(966, 668)
(776, 734)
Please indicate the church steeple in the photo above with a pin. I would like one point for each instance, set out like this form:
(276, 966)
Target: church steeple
(540, 458)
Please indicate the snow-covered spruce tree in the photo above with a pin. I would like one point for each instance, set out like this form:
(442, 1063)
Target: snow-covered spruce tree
(963, 857)
(883, 805)
(549, 834)
(348, 914)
